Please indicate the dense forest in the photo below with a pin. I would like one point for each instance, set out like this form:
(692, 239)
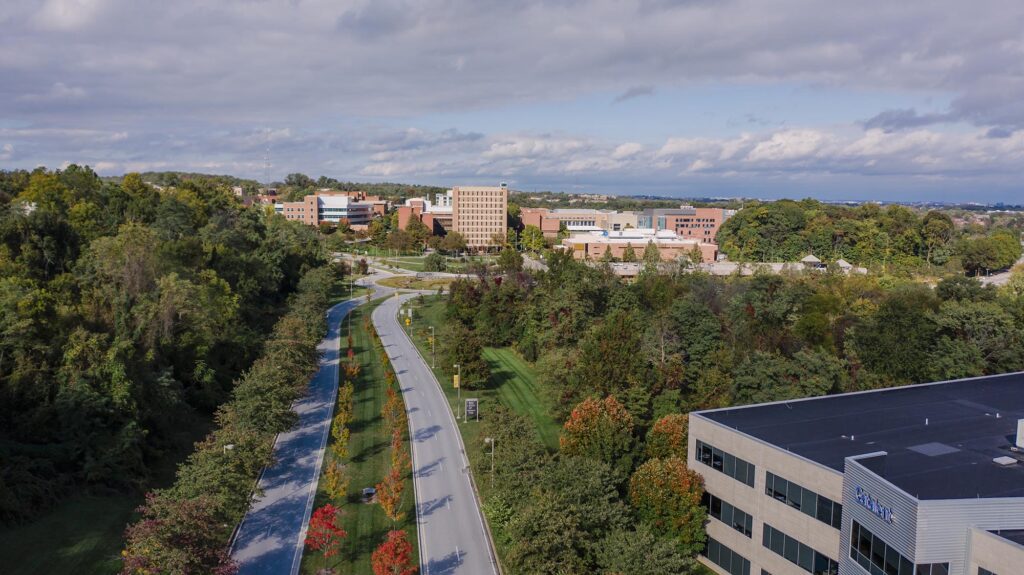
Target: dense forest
(128, 313)
(893, 237)
(622, 364)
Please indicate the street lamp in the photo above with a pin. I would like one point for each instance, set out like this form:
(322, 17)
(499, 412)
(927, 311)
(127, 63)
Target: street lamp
(458, 389)
(433, 356)
(490, 441)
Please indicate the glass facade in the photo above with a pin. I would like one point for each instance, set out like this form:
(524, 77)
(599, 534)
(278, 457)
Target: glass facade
(727, 463)
(878, 558)
(726, 513)
(804, 500)
(796, 552)
(731, 561)
(983, 571)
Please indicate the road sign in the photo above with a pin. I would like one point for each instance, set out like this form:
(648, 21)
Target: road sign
(455, 380)
(407, 321)
(472, 409)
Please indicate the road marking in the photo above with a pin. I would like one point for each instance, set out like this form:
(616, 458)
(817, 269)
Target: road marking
(448, 503)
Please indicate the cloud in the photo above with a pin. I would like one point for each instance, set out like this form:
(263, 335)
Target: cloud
(57, 93)
(891, 120)
(627, 150)
(6, 152)
(634, 92)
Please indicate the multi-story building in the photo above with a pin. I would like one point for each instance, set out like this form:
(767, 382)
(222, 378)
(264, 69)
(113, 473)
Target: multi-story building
(436, 215)
(332, 207)
(593, 245)
(480, 213)
(577, 220)
(917, 480)
(687, 221)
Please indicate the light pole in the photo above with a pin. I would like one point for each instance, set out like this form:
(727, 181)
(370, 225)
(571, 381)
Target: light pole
(490, 441)
(458, 390)
(433, 356)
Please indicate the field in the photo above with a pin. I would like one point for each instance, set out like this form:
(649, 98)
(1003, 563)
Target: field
(412, 283)
(368, 461)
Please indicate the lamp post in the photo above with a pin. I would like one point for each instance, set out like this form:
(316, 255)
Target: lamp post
(458, 390)
(433, 356)
(490, 441)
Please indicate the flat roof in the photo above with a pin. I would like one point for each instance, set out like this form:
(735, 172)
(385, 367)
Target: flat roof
(1015, 535)
(940, 438)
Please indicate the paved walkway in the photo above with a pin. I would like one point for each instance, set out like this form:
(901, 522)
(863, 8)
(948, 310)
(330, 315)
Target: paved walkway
(452, 536)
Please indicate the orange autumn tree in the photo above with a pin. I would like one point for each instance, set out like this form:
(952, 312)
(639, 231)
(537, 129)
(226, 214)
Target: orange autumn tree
(668, 437)
(667, 496)
(599, 429)
(393, 556)
(389, 494)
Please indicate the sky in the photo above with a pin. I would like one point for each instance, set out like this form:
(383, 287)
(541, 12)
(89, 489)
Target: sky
(874, 99)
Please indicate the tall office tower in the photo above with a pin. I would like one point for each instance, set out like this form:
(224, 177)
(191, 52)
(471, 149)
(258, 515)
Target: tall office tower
(479, 213)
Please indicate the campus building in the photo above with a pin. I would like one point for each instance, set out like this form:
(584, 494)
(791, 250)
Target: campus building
(332, 207)
(479, 213)
(593, 245)
(686, 221)
(550, 222)
(917, 480)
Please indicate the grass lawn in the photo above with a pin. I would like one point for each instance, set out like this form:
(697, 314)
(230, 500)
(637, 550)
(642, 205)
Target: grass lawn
(368, 462)
(410, 282)
(515, 383)
(414, 264)
(341, 290)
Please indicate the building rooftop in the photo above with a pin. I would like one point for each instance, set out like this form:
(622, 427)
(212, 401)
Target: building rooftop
(940, 438)
(1015, 535)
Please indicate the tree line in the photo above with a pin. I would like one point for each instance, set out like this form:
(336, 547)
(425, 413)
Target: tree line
(894, 237)
(128, 313)
(621, 364)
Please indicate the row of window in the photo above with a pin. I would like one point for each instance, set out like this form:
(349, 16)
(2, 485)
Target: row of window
(983, 571)
(878, 558)
(802, 499)
(733, 466)
(731, 561)
(725, 512)
(796, 552)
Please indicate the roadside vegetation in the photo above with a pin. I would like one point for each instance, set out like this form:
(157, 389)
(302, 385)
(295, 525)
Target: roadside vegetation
(618, 366)
(360, 454)
(413, 283)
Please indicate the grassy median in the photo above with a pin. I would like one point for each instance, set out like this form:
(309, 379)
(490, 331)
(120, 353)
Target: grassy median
(367, 463)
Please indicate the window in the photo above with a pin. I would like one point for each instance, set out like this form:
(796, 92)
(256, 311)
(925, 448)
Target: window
(981, 571)
(725, 512)
(795, 552)
(726, 558)
(727, 463)
(802, 499)
(878, 558)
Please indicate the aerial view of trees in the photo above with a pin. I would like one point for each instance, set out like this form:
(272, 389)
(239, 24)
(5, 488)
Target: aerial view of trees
(870, 235)
(623, 363)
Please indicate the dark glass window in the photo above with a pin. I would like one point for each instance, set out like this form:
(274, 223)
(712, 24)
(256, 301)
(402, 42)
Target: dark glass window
(726, 513)
(981, 571)
(808, 502)
(726, 558)
(878, 558)
(738, 469)
(796, 552)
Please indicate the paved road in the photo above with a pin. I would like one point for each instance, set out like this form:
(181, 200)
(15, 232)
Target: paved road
(452, 535)
(270, 537)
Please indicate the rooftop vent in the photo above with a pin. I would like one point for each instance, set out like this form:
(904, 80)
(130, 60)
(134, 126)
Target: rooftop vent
(1004, 461)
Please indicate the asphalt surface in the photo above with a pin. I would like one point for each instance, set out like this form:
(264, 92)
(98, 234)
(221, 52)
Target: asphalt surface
(270, 538)
(452, 536)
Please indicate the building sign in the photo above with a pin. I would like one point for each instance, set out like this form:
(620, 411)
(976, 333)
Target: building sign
(472, 409)
(871, 504)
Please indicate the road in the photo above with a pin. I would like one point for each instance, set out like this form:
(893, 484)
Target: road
(270, 538)
(453, 539)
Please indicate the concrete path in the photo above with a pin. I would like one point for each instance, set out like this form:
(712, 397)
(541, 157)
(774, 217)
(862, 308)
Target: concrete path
(453, 538)
(271, 536)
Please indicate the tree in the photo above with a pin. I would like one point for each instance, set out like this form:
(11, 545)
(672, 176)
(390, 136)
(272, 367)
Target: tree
(324, 534)
(668, 437)
(607, 257)
(601, 430)
(667, 495)
(177, 536)
(652, 256)
(393, 556)
(936, 231)
(532, 239)
(418, 231)
(629, 255)
(641, 552)
(461, 346)
(510, 261)
(453, 242)
(435, 262)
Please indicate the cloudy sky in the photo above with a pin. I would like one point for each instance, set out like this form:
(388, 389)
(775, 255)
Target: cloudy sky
(874, 99)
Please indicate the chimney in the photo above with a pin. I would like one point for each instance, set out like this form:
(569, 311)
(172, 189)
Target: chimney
(1020, 434)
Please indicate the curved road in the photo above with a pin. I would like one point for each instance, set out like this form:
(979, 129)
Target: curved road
(270, 537)
(453, 538)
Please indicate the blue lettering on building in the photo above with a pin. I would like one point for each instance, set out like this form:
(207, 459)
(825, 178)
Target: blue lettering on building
(871, 504)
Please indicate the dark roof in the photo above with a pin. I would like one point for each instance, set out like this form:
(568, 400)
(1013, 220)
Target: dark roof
(1015, 535)
(969, 422)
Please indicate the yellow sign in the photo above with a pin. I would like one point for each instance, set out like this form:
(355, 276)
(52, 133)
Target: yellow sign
(455, 378)
(407, 321)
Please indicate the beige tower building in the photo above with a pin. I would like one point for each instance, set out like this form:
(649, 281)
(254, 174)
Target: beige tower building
(479, 213)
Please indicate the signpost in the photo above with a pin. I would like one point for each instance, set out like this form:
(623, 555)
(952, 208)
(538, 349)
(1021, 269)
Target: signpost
(472, 409)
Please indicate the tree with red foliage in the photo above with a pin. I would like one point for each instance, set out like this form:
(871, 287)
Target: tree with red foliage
(394, 556)
(600, 429)
(324, 533)
(668, 437)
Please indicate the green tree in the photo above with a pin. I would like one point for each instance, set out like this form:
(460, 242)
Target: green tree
(510, 261)
(601, 430)
(629, 255)
(667, 496)
(435, 262)
(641, 552)
(532, 239)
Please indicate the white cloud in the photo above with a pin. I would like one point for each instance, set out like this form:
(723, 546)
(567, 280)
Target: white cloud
(789, 145)
(67, 15)
(6, 152)
(627, 150)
